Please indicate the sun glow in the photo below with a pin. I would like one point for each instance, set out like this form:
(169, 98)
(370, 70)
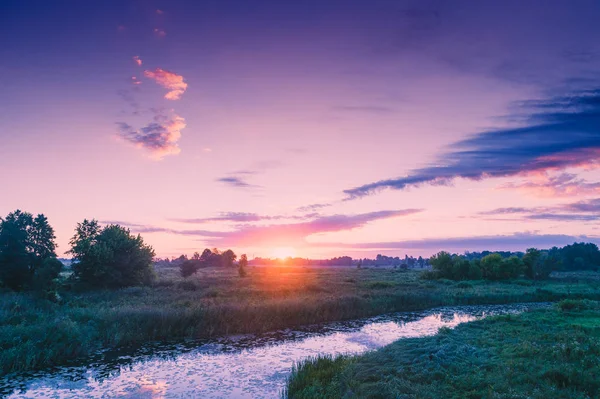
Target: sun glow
(282, 252)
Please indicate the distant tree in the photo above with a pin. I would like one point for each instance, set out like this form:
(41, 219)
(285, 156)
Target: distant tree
(26, 246)
(243, 264)
(537, 264)
(196, 256)
(228, 258)
(110, 257)
(442, 264)
(359, 264)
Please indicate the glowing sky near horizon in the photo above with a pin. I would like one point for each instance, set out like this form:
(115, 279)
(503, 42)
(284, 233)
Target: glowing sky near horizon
(313, 128)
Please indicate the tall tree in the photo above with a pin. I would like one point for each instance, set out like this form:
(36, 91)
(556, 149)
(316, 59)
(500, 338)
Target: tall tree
(110, 257)
(25, 246)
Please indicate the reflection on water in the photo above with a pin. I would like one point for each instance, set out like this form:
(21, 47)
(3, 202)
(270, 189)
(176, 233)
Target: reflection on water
(247, 366)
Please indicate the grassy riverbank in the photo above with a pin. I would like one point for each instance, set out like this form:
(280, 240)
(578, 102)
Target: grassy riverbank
(37, 333)
(540, 354)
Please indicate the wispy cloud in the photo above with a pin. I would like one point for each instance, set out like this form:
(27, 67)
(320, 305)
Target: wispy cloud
(159, 137)
(294, 234)
(585, 210)
(137, 60)
(562, 185)
(560, 132)
(289, 234)
(312, 207)
(239, 217)
(169, 80)
(158, 32)
(238, 178)
(235, 181)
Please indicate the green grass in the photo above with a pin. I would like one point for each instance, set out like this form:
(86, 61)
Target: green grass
(36, 333)
(541, 354)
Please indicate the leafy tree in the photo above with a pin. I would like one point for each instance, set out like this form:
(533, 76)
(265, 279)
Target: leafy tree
(110, 257)
(538, 265)
(442, 264)
(25, 244)
(242, 266)
(228, 258)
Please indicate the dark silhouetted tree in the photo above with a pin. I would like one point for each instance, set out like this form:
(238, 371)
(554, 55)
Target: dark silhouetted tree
(26, 245)
(243, 264)
(228, 258)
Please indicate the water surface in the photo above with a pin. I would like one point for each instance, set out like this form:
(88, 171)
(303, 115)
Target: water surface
(249, 366)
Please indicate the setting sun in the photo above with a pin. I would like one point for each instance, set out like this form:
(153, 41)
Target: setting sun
(282, 252)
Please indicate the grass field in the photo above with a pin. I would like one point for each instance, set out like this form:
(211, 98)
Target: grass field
(36, 333)
(540, 354)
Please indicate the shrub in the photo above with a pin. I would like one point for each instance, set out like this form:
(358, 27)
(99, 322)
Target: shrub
(573, 304)
(189, 267)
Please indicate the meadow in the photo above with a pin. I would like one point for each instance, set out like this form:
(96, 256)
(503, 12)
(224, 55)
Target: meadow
(540, 354)
(38, 333)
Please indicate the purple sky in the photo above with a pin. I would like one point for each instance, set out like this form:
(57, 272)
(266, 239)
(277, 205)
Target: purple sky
(312, 128)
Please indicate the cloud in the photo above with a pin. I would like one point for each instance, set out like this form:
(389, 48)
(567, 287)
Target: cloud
(312, 207)
(159, 137)
(290, 234)
(294, 234)
(511, 242)
(169, 80)
(240, 217)
(585, 210)
(236, 182)
(160, 32)
(506, 211)
(562, 185)
(137, 60)
(569, 217)
(559, 133)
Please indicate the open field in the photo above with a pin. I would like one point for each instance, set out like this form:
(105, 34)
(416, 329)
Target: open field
(36, 333)
(541, 354)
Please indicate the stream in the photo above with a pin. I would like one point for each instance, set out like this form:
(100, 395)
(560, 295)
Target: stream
(244, 366)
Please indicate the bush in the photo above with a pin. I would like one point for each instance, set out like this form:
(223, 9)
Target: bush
(573, 304)
(189, 267)
(110, 257)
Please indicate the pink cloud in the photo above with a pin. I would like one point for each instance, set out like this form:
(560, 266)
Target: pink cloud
(159, 137)
(169, 80)
(275, 235)
(294, 234)
(562, 185)
(160, 32)
(137, 60)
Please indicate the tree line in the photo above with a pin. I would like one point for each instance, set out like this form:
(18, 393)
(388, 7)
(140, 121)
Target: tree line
(534, 263)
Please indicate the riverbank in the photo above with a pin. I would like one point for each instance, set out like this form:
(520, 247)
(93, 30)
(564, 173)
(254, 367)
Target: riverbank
(540, 354)
(36, 333)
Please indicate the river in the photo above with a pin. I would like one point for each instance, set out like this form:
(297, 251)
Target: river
(248, 366)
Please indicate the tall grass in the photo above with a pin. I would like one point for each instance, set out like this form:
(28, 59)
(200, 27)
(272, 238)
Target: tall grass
(541, 354)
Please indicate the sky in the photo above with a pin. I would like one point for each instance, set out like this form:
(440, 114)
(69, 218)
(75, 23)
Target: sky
(307, 128)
